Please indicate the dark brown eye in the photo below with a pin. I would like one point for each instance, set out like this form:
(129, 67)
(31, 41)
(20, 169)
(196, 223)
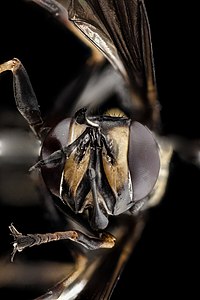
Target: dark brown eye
(143, 159)
(56, 140)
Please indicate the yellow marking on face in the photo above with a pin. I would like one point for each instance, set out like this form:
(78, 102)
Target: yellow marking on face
(75, 131)
(73, 171)
(88, 201)
(117, 174)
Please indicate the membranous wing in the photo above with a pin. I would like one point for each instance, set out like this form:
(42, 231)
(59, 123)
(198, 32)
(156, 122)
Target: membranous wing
(120, 29)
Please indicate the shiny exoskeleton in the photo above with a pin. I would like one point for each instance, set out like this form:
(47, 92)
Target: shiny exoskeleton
(95, 170)
(97, 165)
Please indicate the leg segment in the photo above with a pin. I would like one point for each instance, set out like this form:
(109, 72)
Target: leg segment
(58, 155)
(25, 97)
(21, 241)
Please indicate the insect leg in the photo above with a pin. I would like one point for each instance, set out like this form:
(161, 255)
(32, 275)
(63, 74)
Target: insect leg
(25, 97)
(58, 155)
(54, 158)
(105, 240)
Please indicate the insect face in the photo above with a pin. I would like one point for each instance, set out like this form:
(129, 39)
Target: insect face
(100, 166)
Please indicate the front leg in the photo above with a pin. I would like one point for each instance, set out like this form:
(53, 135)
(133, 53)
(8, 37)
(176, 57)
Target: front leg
(25, 97)
(105, 240)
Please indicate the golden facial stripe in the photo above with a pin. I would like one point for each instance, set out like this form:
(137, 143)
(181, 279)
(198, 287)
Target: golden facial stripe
(117, 174)
(74, 172)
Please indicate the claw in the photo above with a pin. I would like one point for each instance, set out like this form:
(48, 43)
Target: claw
(16, 234)
(20, 241)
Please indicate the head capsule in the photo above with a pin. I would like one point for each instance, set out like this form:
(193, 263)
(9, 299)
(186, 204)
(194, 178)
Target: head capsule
(122, 156)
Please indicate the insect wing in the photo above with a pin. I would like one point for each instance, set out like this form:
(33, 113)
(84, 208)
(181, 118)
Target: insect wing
(120, 29)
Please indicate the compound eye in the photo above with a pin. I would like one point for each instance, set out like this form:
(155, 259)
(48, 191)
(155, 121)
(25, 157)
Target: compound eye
(143, 159)
(56, 139)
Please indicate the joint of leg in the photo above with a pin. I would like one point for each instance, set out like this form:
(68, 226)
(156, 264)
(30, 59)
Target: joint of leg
(10, 65)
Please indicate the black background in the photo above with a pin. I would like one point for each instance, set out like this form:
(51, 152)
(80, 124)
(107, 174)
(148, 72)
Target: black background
(165, 261)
